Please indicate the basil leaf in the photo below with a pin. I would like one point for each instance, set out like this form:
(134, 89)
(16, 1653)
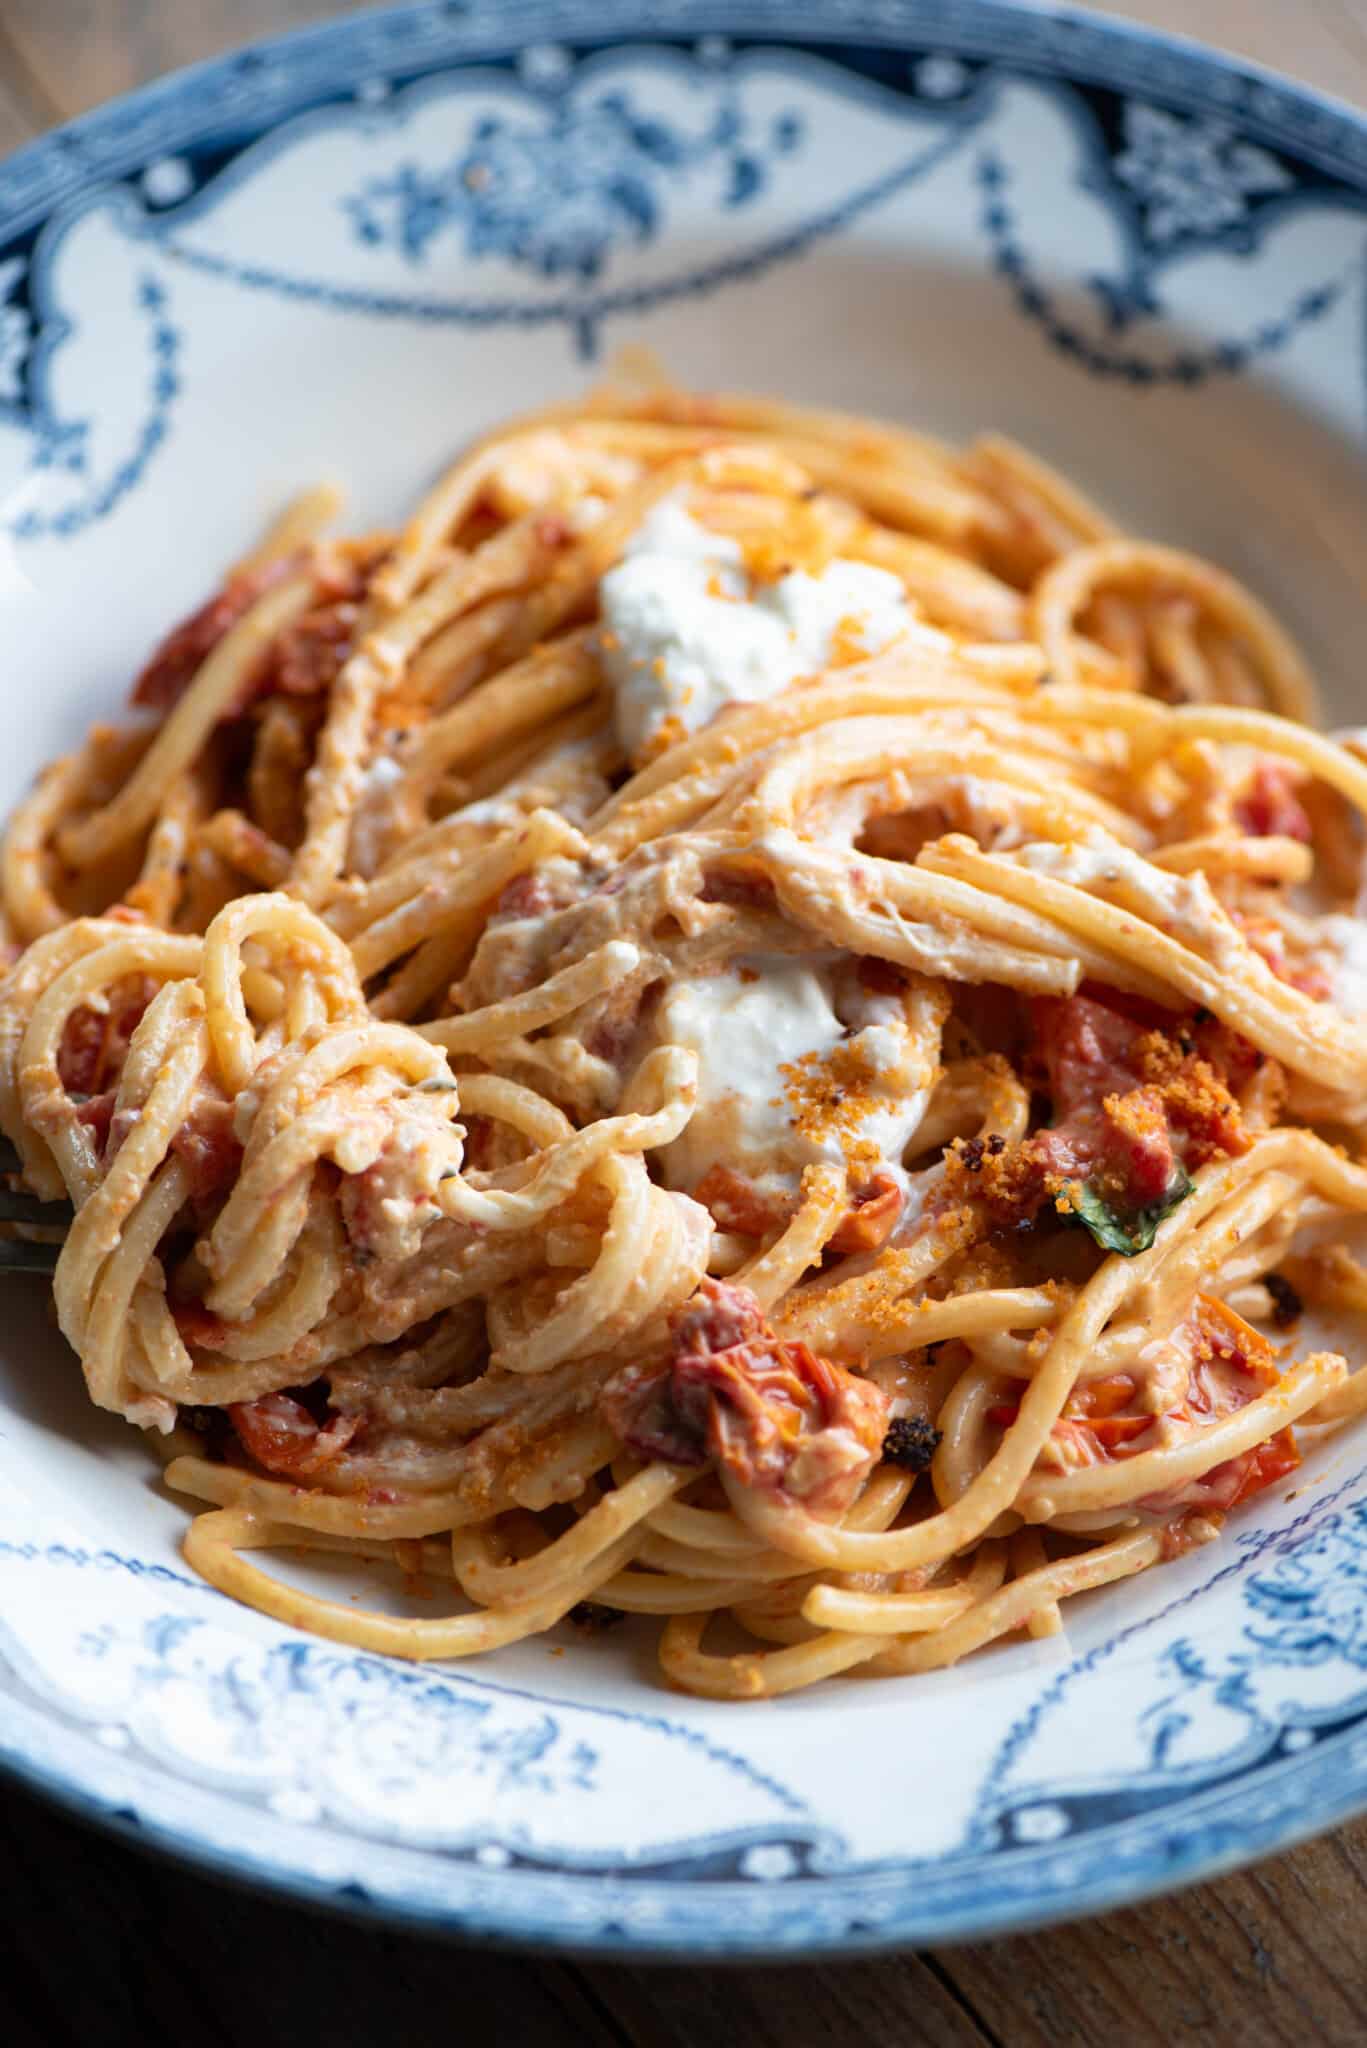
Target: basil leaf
(1126, 1234)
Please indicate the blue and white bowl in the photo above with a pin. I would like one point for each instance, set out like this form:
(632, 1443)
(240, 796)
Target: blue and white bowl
(337, 255)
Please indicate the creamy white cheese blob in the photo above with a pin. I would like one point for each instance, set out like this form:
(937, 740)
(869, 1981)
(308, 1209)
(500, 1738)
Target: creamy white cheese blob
(685, 631)
(749, 1026)
(744, 1024)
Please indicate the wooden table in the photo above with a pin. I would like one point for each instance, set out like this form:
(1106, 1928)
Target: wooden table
(104, 1943)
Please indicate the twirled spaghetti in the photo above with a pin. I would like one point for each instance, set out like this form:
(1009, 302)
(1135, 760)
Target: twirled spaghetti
(753, 1020)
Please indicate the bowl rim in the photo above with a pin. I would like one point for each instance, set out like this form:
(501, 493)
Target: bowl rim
(314, 62)
(110, 138)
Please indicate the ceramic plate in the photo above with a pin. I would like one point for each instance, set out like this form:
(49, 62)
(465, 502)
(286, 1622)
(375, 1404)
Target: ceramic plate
(337, 255)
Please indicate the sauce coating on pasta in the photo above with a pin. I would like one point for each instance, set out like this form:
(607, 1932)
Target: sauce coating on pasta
(751, 1019)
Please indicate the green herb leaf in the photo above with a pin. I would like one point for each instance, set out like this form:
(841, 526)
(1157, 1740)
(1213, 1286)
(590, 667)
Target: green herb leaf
(1126, 1234)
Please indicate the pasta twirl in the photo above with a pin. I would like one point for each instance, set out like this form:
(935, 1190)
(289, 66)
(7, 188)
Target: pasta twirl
(743, 1022)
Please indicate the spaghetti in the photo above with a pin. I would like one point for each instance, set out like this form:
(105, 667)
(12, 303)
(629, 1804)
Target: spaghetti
(752, 1020)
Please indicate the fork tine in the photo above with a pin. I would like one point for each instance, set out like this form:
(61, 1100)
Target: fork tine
(21, 1255)
(19, 1208)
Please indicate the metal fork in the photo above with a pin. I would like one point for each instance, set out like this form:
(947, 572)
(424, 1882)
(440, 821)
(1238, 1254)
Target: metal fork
(25, 1254)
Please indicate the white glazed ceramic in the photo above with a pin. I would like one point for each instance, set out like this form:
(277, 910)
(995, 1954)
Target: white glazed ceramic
(338, 255)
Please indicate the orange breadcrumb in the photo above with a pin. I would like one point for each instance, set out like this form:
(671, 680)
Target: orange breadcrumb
(804, 541)
(1003, 1176)
(663, 738)
(978, 1266)
(829, 1095)
(848, 643)
(1194, 1096)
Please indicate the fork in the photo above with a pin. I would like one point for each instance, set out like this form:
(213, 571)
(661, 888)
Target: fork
(23, 1254)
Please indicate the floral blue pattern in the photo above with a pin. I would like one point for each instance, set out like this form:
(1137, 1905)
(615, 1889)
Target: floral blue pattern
(1200, 1716)
(1192, 177)
(1312, 1605)
(372, 1747)
(556, 196)
(564, 191)
(63, 497)
(1308, 1614)
(1125, 299)
(293, 1730)
(328, 1699)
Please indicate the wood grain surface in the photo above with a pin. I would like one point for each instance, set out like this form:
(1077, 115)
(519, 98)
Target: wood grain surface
(101, 1943)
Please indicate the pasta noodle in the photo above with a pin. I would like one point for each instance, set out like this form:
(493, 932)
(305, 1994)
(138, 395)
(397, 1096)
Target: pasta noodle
(754, 1020)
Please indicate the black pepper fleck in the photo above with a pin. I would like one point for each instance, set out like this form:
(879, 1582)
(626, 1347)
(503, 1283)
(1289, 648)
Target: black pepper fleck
(1286, 1303)
(594, 1615)
(911, 1442)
